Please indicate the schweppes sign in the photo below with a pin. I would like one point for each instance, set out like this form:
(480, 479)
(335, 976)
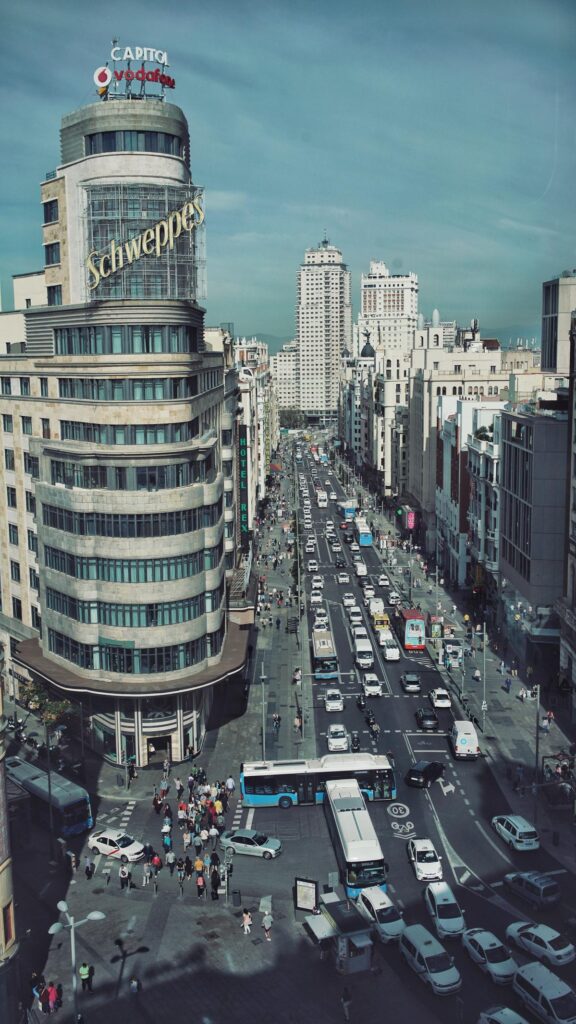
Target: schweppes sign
(150, 242)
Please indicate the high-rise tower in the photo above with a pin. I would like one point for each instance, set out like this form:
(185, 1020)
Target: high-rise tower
(323, 328)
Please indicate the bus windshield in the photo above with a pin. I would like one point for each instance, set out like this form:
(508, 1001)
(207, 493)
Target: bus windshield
(361, 874)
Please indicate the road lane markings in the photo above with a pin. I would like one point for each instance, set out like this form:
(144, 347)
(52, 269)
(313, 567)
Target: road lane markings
(493, 844)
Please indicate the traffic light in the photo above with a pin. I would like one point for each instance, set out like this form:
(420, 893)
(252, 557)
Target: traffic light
(399, 511)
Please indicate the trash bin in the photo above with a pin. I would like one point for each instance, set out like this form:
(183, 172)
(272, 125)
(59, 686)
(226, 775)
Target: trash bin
(236, 898)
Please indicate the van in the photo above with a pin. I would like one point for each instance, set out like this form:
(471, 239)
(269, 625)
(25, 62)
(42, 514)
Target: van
(516, 832)
(363, 654)
(429, 960)
(547, 995)
(538, 889)
(464, 741)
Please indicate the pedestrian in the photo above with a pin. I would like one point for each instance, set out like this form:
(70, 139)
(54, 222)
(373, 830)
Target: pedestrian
(89, 866)
(52, 997)
(179, 787)
(246, 921)
(507, 684)
(298, 722)
(204, 836)
(124, 876)
(188, 868)
(523, 694)
(171, 861)
(519, 778)
(346, 1001)
(200, 886)
(156, 864)
(134, 985)
(146, 874)
(180, 869)
(214, 835)
(44, 999)
(85, 973)
(214, 858)
(230, 785)
(278, 622)
(199, 865)
(267, 922)
(502, 668)
(550, 717)
(156, 803)
(198, 843)
(166, 766)
(514, 667)
(276, 721)
(214, 882)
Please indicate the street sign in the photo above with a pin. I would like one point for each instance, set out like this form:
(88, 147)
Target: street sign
(484, 705)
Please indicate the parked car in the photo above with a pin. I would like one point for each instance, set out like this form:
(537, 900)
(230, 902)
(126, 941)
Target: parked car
(247, 840)
(516, 832)
(500, 1015)
(377, 907)
(423, 773)
(490, 955)
(114, 842)
(541, 941)
(424, 860)
(338, 739)
(427, 719)
(537, 889)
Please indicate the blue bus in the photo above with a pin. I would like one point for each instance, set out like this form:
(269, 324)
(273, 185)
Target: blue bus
(362, 532)
(347, 508)
(71, 810)
(358, 852)
(324, 660)
(289, 783)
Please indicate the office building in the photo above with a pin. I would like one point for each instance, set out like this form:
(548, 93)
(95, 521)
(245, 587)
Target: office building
(558, 303)
(388, 309)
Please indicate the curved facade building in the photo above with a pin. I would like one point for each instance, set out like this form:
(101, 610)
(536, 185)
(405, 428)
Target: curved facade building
(130, 440)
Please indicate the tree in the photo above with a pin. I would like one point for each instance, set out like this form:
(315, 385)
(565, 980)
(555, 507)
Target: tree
(48, 709)
(292, 419)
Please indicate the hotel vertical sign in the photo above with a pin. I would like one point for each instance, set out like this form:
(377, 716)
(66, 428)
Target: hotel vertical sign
(243, 487)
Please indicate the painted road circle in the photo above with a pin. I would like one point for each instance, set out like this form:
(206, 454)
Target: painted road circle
(398, 810)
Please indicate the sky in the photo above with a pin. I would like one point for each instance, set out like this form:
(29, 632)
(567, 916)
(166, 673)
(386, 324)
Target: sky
(438, 137)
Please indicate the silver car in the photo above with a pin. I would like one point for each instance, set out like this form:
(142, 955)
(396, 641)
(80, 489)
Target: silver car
(247, 840)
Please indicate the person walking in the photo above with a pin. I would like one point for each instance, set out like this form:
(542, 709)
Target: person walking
(146, 873)
(267, 922)
(180, 869)
(346, 1002)
(124, 876)
(89, 867)
(156, 803)
(171, 861)
(214, 882)
(230, 785)
(188, 868)
(550, 717)
(156, 864)
(214, 835)
(200, 886)
(85, 973)
(246, 921)
(199, 865)
(507, 684)
(52, 997)
(276, 721)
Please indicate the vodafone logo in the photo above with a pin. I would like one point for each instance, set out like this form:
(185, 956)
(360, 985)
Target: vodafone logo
(102, 77)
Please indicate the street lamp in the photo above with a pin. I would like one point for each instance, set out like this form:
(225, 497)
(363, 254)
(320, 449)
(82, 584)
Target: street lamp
(71, 925)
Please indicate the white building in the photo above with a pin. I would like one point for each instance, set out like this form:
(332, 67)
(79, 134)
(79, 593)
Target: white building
(558, 303)
(388, 309)
(484, 510)
(323, 329)
(284, 371)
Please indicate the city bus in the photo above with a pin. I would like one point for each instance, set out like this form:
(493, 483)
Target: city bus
(71, 811)
(324, 659)
(412, 625)
(362, 532)
(322, 499)
(289, 783)
(358, 852)
(347, 508)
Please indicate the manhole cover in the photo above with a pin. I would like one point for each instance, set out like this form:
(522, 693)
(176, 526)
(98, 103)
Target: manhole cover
(212, 936)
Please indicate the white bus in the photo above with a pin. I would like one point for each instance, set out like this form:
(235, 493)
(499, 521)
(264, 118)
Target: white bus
(360, 859)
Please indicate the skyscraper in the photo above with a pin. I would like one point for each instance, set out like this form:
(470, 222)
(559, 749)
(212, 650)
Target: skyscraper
(388, 309)
(323, 329)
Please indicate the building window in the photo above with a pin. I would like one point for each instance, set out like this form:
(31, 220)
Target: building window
(11, 497)
(36, 619)
(17, 608)
(9, 458)
(55, 295)
(50, 211)
(52, 254)
(26, 424)
(30, 503)
(12, 533)
(6, 386)
(45, 428)
(34, 579)
(32, 542)
(7, 423)
(25, 386)
(15, 571)
(44, 387)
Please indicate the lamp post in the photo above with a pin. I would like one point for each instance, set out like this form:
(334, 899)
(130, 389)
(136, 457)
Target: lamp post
(263, 699)
(484, 705)
(536, 751)
(71, 925)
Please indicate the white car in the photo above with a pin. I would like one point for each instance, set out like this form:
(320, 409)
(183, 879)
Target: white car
(360, 633)
(361, 569)
(114, 842)
(368, 595)
(391, 651)
(371, 685)
(343, 577)
(444, 909)
(333, 496)
(317, 582)
(338, 740)
(383, 581)
(335, 547)
(312, 565)
(500, 1015)
(440, 698)
(491, 956)
(349, 600)
(319, 626)
(321, 618)
(394, 598)
(516, 832)
(355, 616)
(377, 907)
(424, 860)
(316, 597)
(354, 546)
(541, 941)
(334, 701)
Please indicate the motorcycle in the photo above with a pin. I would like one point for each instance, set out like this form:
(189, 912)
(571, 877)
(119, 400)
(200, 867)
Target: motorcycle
(370, 719)
(361, 701)
(374, 730)
(355, 742)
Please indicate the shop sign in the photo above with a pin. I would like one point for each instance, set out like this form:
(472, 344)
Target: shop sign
(243, 486)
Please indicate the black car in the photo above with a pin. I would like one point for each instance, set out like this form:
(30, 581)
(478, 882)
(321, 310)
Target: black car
(424, 773)
(340, 562)
(427, 719)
